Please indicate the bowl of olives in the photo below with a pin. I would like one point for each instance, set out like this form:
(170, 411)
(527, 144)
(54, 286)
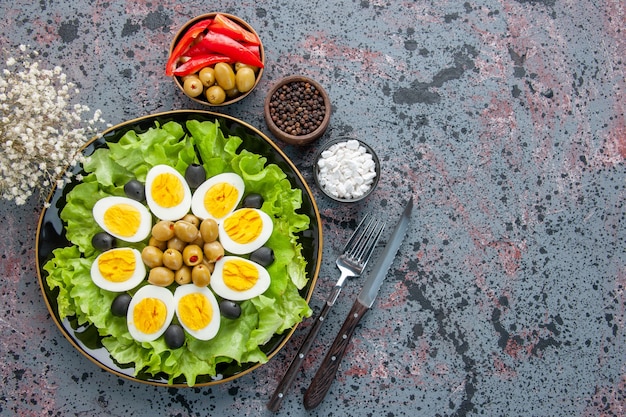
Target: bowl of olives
(297, 110)
(216, 59)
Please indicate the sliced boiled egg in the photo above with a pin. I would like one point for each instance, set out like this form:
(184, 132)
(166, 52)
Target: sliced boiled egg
(118, 270)
(245, 230)
(237, 279)
(123, 217)
(197, 311)
(218, 196)
(150, 312)
(167, 193)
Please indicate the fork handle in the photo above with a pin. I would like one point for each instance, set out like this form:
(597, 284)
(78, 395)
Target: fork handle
(323, 379)
(287, 381)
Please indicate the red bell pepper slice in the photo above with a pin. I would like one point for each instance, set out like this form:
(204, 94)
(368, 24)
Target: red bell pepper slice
(222, 44)
(203, 48)
(197, 63)
(255, 49)
(184, 43)
(199, 48)
(225, 26)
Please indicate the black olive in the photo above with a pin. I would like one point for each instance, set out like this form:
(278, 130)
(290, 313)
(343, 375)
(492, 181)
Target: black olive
(103, 241)
(135, 190)
(253, 200)
(119, 306)
(230, 309)
(195, 175)
(174, 336)
(263, 256)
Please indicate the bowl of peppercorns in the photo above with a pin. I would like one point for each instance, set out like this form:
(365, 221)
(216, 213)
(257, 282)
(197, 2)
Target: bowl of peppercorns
(297, 110)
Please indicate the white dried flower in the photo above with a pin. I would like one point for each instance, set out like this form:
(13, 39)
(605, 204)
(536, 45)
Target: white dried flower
(41, 132)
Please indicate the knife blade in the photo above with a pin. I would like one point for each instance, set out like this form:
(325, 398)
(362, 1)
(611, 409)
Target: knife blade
(325, 375)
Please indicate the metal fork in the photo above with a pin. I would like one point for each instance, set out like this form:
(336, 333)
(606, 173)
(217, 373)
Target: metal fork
(351, 263)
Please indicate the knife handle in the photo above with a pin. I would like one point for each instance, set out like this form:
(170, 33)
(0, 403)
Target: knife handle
(287, 381)
(323, 379)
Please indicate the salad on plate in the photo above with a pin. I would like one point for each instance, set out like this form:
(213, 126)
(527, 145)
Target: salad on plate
(213, 308)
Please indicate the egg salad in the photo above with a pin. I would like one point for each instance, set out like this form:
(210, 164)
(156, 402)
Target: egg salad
(183, 254)
(223, 243)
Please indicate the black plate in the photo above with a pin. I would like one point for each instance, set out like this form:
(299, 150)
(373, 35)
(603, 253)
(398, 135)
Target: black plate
(51, 235)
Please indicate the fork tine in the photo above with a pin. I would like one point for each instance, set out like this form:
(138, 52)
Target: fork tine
(366, 241)
(356, 234)
(362, 239)
(368, 248)
(360, 236)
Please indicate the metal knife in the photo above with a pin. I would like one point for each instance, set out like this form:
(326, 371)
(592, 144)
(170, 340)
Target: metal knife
(325, 375)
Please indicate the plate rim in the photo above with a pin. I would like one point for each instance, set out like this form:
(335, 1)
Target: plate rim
(313, 280)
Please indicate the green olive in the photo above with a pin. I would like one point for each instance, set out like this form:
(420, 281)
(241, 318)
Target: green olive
(224, 75)
(245, 79)
(152, 256)
(176, 243)
(157, 243)
(192, 255)
(185, 231)
(172, 259)
(232, 93)
(161, 276)
(209, 265)
(207, 76)
(183, 275)
(163, 230)
(239, 65)
(198, 240)
(193, 87)
(208, 230)
(213, 251)
(215, 94)
(200, 275)
(191, 219)
(184, 77)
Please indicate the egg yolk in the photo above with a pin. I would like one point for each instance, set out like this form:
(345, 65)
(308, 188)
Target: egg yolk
(117, 265)
(220, 199)
(122, 219)
(244, 226)
(195, 311)
(149, 315)
(239, 275)
(166, 190)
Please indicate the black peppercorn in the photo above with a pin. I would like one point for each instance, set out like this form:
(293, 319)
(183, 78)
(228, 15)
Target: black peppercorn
(297, 108)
